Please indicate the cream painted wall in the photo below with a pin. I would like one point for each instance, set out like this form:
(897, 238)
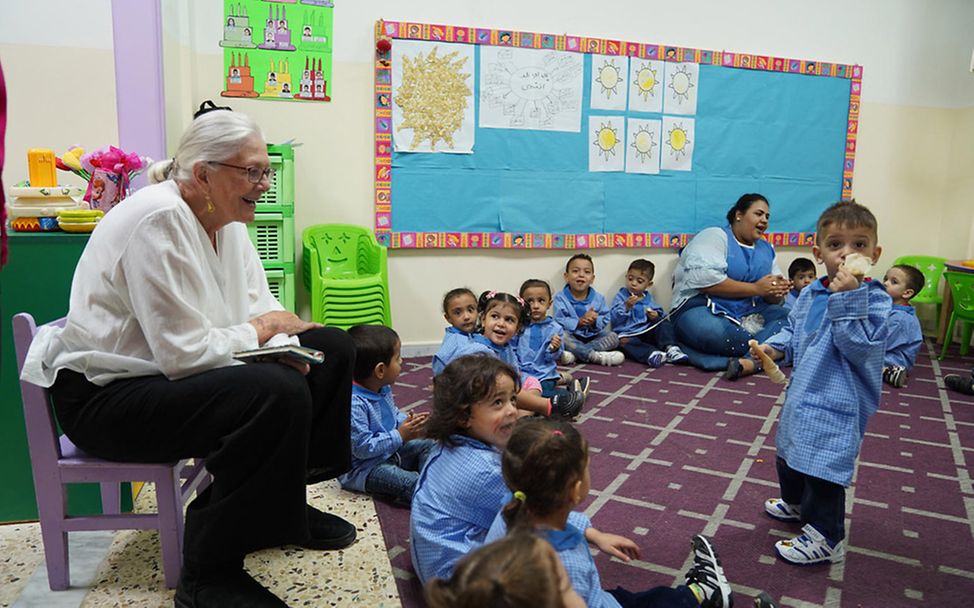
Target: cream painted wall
(913, 162)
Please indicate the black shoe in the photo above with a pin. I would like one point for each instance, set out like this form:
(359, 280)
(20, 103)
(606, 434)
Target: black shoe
(567, 405)
(895, 376)
(328, 531)
(226, 590)
(734, 370)
(960, 384)
(581, 385)
(763, 600)
(318, 474)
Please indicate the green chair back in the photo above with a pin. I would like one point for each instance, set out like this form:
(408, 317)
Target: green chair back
(961, 285)
(933, 269)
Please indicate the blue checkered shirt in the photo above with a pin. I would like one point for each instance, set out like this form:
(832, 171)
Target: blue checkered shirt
(375, 419)
(459, 492)
(573, 550)
(905, 337)
(568, 311)
(533, 348)
(454, 341)
(836, 342)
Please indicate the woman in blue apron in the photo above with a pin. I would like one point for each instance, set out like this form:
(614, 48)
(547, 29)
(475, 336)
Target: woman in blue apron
(728, 288)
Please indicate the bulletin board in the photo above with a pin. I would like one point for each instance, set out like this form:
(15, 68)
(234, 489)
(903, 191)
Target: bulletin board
(490, 138)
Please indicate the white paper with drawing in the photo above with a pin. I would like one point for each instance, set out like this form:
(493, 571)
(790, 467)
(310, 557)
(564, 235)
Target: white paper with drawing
(645, 142)
(530, 89)
(678, 143)
(607, 143)
(682, 86)
(609, 82)
(646, 88)
(432, 97)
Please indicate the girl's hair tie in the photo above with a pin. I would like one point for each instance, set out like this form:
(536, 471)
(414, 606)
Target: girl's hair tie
(557, 432)
(519, 300)
(519, 495)
(491, 294)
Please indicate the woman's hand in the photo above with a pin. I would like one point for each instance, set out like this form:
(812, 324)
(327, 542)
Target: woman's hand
(613, 544)
(280, 322)
(772, 287)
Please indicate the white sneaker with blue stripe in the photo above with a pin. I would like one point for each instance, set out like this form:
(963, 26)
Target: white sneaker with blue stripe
(809, 548)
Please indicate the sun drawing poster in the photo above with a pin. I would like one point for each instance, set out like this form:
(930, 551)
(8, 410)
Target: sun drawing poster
(530, 89)
(646, 88)
(606, 152)
(277, 51)
(432, 97)
(608, 87)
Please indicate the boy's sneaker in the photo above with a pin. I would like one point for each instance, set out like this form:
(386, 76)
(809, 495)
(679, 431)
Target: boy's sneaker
(656, 358)
(782, 511)
(674, 354)
(706, 577)
(566, 358)
(606, 357)
(567, 405)
(565, 378)
(581, 385)
(895, 376)
(961, 384)
(810, 547)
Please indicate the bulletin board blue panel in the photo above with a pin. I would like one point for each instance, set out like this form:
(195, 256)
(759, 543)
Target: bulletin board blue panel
(787, 133)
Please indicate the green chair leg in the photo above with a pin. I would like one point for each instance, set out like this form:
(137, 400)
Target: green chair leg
(948, 338)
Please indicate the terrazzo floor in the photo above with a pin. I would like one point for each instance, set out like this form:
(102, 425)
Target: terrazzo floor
(124, 568)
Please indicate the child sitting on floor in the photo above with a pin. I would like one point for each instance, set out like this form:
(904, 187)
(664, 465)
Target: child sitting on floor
(584, 314)
(645, 334)
(836, 339)
(802, 274)
(902, 282)
(540, 345)
(387, 446)
(460, 311)
(460, 489)
(546, 466)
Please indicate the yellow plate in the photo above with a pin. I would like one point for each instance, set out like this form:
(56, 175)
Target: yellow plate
(71, 227)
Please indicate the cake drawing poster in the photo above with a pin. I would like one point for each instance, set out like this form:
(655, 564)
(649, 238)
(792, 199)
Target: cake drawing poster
(278, 50)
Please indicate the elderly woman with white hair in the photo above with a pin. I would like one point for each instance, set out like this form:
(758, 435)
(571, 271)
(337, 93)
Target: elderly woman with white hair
(169, 287)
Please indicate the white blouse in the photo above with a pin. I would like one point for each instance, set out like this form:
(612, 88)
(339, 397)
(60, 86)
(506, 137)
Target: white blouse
(150, 295)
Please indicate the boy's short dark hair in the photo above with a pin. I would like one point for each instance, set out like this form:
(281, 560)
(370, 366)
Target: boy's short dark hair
(800, 265)
(849, 214)
(453, 293)
(644, 266)
(579, 256)
(914, 278)
(530, 283)
(374, 344)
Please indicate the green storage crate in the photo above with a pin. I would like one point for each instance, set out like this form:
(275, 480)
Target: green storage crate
(281, 283)
(280, 197)
(273, 236)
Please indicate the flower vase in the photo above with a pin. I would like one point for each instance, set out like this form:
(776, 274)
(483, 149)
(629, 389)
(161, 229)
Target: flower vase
(105, 189)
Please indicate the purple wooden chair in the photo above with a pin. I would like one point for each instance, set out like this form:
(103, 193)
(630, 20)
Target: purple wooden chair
(56, 461)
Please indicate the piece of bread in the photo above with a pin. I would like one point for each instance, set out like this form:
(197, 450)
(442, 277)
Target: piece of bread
(857, 265)
(770, 367)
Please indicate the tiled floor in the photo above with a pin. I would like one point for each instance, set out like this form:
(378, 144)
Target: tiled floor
(124, 569)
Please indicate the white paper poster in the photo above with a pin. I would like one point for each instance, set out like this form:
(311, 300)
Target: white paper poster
(678, 138)
(530, 89)
(682, 85)
(606, 150)
(432, 97)
(609, 78)
(646, 85)
(643, 150)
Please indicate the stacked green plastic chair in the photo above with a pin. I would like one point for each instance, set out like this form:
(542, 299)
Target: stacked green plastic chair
(961, 285)
(932, 268)
(346, 272)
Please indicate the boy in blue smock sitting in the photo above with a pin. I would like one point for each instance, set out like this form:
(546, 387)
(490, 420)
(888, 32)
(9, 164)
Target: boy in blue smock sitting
(836, 339)
(387, 446)
(584, 314)
(644, 333)
(802, 274)
(902, 282)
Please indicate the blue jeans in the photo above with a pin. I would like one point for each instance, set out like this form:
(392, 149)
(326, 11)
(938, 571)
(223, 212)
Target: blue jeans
(396, 477)
(712, 340)
(582, 348)
(640, 347)
(822, 502)
(550, 388)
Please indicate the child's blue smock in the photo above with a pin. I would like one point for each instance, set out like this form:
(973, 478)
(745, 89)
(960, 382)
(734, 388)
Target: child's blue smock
(568, 310)
(836, 342)
(454, 340)
(905, 337)
(790, 298)
(458, 494)
(632, 321)
(533, 349)
(375, 419)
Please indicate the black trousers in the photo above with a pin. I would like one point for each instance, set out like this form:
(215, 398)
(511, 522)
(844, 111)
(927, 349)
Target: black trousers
(822, 502)
(259, 427)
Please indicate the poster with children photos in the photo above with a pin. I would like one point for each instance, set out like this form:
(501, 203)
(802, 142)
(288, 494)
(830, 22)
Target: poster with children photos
(279, 51)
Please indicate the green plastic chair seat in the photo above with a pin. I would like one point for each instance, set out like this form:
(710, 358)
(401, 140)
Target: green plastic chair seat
(932, 268)
(961, 285)
(346, 272)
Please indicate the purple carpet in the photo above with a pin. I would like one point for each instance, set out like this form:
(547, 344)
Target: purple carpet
(677, 452)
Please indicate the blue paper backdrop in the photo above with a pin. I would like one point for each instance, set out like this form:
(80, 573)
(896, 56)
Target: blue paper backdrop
(779, 134)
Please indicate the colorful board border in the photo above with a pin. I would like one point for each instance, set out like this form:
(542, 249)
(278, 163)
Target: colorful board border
(387, 236)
